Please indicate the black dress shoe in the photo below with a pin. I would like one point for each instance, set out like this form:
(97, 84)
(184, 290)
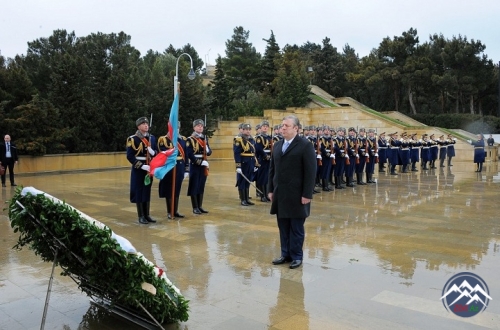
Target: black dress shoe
(295, 264)
(143, 221)
(178, 215)
(196, 211)
(203, 211)
(13, 184)
(281, 260)
(149, 219)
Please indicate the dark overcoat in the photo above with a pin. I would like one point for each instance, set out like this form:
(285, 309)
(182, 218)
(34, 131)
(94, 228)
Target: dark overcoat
(291, 177)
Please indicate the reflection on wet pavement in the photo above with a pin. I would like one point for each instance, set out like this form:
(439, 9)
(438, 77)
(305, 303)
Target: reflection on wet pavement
(375, 256)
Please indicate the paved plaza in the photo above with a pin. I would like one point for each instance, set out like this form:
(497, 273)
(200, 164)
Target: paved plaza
(375, 256)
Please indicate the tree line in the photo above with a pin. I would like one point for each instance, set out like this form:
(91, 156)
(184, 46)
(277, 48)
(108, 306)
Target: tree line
(83, 94)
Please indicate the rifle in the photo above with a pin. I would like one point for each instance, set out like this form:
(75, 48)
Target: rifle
(347, 161)
(331, 151)
(205, 153)
(366, 151)
(318, 152)
(356, 150)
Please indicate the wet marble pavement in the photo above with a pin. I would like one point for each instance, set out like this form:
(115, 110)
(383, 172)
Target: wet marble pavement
(375, 257)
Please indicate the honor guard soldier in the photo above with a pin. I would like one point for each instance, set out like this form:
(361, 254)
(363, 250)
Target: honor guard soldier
(353, 156)
(404, 152)
(479, 154)
(394, 145)
(450, 153)
(263, 153)
(425, 152)
(341, 157)
(141, 148)
(362, 156)
(197, 149)
(181, 172)
(312, 138)
(415, 146)
(434, 151)
(244, 156)
(373, 156)
(382, 151)
(257, 129)
(277, 134)
(326, 157)
(443, 147)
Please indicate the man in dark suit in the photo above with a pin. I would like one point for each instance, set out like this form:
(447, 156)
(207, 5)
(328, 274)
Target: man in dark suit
(291, 183)
(8, 158)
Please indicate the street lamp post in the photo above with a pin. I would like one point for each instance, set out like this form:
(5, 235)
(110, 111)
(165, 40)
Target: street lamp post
(191, 76)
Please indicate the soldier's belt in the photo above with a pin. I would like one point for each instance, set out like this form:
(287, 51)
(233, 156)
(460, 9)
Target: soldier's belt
(198, 156)
(140, 158)
(425, 147)
(405, 148)
(382, 147)
(247, 155)
(267, 151)
(362, 149)
(478, 147)
(394, 147)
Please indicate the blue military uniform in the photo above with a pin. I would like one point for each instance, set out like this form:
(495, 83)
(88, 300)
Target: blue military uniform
(371, 151)
(382, 152)
(434, 151)
(197, 149)
(414, 152)
(263, 144)
(139, 156)
(450, 153)
(326, 162)
(244, 157)
(340, 147)
(181, 167)
(362, 153)
(394, 145)
(425, 153)
(404, 152)
(443, 148)
(479, 156)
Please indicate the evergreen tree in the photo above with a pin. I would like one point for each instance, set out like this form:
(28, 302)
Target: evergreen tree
(269, 67)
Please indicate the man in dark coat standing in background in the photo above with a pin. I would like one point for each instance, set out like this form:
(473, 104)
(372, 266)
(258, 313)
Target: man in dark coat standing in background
(8, 158)
(291, 183)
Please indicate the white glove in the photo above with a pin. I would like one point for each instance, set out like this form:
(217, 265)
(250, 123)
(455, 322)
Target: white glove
(238, 170)
(151, 151)
(357, 156)
(376, 154)
(145, 167)
(454, 139)
(207, 149)
(255, 169)
(318, 156)
(204, 163)
(346, 156)
(332, 156)
(420, 140)
(470, 141)
(186, 175)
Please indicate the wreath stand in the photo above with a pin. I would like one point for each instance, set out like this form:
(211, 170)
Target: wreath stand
(98, 295)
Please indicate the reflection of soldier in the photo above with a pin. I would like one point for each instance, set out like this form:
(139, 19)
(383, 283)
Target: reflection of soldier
(244, 156)
(287, 288)
(140, 149)
(181, 169)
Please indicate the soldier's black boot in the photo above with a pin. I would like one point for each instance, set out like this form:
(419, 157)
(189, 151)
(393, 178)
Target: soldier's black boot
(242, 198)
(264, 198)
(194, 204)
(338, 184)
(176, 209)
(480, 167)
(424, 166)
(349, 182)
(168, 201)
(449, 161)
(381, 168)
(441, 162)
(140, 214)
(247, 193)
(324, 185)
(200, 203)
(359, 179)
(146, 212)
(393, 170)
(433, 164)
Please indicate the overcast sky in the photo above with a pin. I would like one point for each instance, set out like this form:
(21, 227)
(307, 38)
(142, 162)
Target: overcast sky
(207, 25)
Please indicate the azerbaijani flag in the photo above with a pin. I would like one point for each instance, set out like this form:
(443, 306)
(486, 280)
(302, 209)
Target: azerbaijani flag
(166, 160)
